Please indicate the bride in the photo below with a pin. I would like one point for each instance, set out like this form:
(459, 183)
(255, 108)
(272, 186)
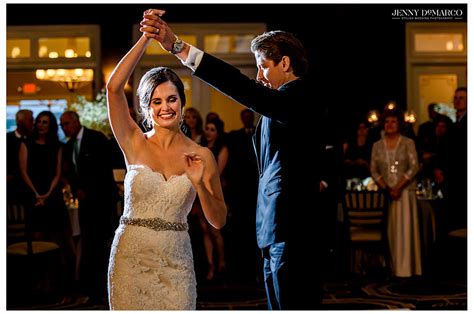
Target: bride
(151, 262)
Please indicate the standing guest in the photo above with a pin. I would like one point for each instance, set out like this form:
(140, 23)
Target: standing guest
(213, 240)
(88, 169)
(24, 129)
(357, 154)
(193, 121)
(40, 167)
(394, 165)
(434, 150)
(287, 223)
(456, 165)
(151, 261)
(212, 116)
(426, 130)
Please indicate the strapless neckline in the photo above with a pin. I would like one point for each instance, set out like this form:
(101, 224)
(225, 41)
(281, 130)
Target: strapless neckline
(142, 166)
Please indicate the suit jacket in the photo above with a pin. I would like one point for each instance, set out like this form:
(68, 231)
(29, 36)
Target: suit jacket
(289, 176)
(94, 174)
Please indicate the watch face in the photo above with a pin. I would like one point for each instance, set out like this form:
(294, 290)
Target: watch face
(178, 46)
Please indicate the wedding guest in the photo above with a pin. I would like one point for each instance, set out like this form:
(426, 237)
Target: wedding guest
(357, 154)
(40, 167)
(88, 169)
(394, 165)
(213, 239)
(193, 121)
(456, 171)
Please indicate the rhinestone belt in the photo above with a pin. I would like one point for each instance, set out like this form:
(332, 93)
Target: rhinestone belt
(156, 224)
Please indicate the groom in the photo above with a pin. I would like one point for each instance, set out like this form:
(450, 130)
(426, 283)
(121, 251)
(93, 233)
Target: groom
(289, 232)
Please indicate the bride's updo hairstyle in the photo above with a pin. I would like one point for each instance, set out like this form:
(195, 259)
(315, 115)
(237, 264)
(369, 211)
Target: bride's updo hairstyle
(148, 83)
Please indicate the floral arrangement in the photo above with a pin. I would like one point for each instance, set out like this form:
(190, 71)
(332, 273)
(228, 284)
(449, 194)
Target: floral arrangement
(93, 114)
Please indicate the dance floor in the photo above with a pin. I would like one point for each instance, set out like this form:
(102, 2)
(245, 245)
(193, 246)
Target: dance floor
(355, 294)
(443, 287)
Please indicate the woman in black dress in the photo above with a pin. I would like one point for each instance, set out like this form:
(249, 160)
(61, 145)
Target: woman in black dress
(40, 167)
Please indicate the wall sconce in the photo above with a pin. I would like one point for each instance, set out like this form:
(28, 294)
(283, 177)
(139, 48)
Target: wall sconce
(410, 117)
(71, 79)
(373, 116)
(391, 105)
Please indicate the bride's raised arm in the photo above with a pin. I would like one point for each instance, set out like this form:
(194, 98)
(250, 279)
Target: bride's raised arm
(123, 126)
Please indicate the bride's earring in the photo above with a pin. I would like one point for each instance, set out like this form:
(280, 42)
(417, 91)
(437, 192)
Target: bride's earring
(181, 121)
(182, 125)
(151, 121)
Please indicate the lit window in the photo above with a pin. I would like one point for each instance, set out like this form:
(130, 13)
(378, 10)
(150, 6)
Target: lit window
(154, 47)
(441, 42)
(72, 47)
(18, 48)
(227, 43)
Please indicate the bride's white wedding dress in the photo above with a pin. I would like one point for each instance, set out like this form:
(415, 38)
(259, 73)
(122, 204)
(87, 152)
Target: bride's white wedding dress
(151, 263)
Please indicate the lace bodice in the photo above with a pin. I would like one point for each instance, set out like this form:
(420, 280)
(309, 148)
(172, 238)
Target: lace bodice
(153, 269)
(150, 195)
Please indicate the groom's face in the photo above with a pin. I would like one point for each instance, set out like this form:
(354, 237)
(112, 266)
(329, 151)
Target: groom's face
(269, 73)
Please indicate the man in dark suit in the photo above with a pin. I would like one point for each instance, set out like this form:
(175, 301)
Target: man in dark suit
(456, 173)
(88, 169)
(288, 226)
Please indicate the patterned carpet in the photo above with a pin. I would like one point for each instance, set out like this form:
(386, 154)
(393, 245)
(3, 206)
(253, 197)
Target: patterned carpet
(356, 294)
(410, 294)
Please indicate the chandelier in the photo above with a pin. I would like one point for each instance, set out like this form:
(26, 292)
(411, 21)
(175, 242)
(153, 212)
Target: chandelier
(71, 79)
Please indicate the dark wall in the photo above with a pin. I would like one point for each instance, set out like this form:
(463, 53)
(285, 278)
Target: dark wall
(356, 51)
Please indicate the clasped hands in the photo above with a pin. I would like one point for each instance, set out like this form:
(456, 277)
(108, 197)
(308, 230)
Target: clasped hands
(152, 26)
(394, 192)
(41, 199)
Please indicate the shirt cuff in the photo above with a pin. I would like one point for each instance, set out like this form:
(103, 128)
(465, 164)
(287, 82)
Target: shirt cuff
(194, 58)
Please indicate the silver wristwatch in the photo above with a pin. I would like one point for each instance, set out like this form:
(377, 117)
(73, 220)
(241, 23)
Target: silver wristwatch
(178, 46)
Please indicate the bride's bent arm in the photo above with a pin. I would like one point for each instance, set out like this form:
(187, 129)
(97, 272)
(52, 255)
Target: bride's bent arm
(125, 130)
(208, 187)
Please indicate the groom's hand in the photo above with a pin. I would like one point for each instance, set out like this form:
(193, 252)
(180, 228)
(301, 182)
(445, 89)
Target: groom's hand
(152, 26)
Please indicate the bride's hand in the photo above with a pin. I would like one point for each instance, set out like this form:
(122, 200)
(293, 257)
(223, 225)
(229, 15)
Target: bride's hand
(194, 167)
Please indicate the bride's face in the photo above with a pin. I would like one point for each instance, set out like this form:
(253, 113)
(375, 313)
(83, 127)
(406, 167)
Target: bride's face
(165, 106)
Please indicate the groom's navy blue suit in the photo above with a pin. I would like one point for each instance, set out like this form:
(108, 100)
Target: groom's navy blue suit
(288, 146)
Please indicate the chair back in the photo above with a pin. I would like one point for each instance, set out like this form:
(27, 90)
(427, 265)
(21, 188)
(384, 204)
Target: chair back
(365, 218)
(365, 214)
(15, 222)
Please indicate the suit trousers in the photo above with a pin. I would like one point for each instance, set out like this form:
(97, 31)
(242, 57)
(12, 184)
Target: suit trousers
(292, 277)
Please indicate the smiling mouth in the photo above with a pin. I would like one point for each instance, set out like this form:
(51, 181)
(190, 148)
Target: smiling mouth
(168, 115)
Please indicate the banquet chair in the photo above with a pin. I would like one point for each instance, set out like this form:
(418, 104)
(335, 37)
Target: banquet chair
(365, 220)
(15, 222)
